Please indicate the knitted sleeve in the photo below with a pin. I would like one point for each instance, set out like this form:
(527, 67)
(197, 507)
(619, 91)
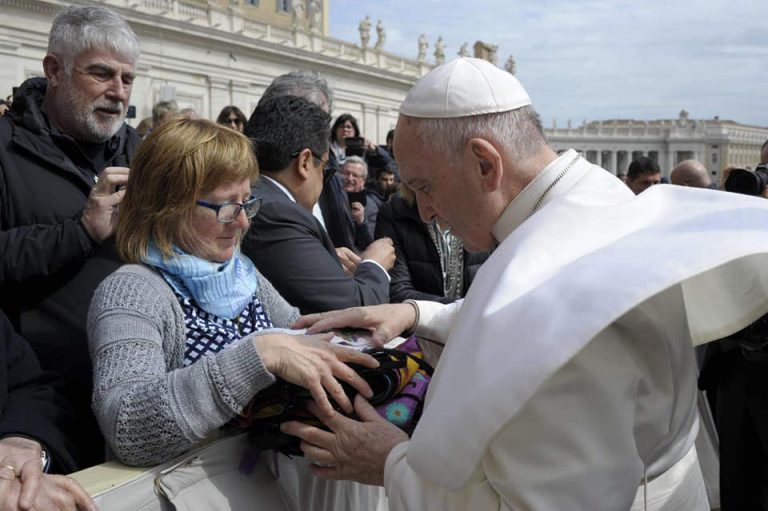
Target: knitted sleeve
(149, 408)
(281, 313)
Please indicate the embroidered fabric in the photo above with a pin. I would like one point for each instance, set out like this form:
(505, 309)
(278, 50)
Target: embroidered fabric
(451, 252)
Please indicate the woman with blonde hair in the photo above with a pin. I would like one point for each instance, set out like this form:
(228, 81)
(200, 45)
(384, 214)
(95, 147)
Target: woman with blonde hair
(180, 337)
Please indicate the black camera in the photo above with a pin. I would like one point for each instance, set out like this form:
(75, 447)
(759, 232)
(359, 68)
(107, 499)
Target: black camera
(748, 182)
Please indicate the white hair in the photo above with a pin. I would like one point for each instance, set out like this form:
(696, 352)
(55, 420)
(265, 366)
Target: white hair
(359, 161)
(303, 84)
(79, 29)
(518, 131)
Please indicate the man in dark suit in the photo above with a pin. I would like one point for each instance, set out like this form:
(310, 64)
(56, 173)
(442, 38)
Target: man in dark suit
(333, 206)
(287, 243)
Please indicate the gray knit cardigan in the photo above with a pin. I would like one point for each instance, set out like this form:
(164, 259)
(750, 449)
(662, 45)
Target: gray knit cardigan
(149, 406)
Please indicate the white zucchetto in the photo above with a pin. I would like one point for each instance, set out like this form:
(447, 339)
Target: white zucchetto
(464, 87)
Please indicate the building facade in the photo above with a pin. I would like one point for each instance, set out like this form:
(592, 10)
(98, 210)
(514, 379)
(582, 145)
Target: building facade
(613, 144)
(207, 54)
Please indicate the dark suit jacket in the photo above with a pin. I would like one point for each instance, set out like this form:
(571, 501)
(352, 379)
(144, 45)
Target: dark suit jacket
(28, 406)
(292, 250)
(417, 274)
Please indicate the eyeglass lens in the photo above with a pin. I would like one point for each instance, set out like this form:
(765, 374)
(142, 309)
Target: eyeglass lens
(229, 212)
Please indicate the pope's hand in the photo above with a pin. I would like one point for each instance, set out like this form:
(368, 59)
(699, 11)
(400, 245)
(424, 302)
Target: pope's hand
(384, 321)
(352, 450)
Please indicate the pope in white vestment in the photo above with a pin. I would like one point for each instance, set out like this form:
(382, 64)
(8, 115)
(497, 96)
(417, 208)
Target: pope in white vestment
(567, 380)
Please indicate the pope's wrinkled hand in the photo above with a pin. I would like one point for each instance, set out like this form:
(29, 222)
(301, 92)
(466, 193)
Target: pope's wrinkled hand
(383, 321)
(354, 450)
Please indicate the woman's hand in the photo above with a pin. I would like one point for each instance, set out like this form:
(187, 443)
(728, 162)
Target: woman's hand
(315, 364)
(383, 321)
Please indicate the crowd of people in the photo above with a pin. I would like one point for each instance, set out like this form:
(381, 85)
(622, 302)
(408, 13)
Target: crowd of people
(151, 279)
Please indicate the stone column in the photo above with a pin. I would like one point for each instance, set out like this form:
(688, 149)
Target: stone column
(670, 157)
(599, 158)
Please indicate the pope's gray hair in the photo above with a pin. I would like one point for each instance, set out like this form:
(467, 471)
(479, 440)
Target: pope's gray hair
(79, 29)
(518, 131)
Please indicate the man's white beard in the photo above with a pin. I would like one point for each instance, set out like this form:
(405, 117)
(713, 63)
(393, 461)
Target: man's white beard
(86, 125)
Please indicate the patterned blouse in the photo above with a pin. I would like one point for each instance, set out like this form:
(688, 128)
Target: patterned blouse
(208, 333)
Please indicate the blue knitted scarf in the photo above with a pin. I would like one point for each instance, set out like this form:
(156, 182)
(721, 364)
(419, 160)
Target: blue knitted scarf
(223, 289)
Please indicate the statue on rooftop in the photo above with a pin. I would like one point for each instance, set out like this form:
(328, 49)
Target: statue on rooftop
(315, 16)
(439, 51)
(510, 65)
(381, 36)
(423, 44)
(298, 14)
(365, 31)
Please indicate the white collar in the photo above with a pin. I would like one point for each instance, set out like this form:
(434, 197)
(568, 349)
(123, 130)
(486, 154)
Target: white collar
(280, 187)
(543, 188)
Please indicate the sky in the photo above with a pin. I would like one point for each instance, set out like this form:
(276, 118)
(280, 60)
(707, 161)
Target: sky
(597, 59)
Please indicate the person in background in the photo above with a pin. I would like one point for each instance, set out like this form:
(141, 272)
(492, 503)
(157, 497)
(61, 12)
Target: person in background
(354, 171)
(232, 117)
(642, 174)
(430, 262)
(690, 173)
(64, 156)
(162, 111)
(346, 127)
(4, 107)
(379, 192)
(189, 112)
(389, 147)
(144, 127)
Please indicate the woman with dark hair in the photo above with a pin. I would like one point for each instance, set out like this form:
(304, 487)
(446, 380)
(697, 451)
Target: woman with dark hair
(232, 117)
(346, 127)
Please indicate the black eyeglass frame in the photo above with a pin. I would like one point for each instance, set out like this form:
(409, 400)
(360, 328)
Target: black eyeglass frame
(251, 208)
(328, 170)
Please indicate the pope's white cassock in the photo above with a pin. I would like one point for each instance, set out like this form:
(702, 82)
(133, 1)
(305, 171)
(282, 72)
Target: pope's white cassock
(568, 380)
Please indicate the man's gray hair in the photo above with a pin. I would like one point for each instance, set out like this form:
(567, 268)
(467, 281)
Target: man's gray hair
(359, 160)
(79, 29)
(518, 131)
(302, 84)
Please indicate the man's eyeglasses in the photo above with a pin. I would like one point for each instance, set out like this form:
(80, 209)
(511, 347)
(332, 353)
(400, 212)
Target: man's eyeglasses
(328, 169)
(229, 211)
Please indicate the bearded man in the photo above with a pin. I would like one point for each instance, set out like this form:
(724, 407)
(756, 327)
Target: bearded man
(64, 153)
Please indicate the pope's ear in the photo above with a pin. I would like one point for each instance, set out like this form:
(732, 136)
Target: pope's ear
(487, 161)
